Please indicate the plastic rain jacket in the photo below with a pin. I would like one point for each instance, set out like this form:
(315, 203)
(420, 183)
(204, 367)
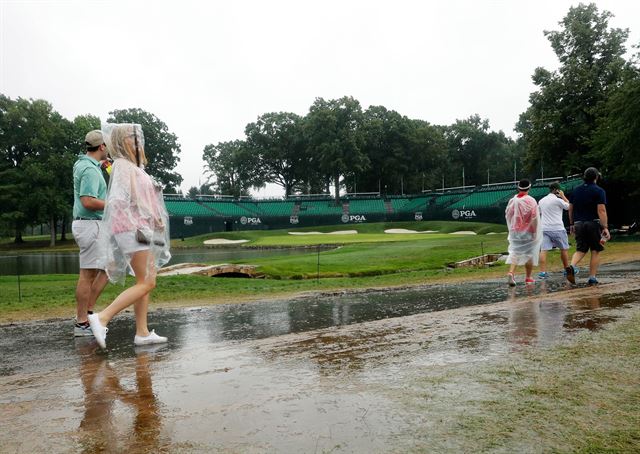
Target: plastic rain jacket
(135, 209)
(525, 230)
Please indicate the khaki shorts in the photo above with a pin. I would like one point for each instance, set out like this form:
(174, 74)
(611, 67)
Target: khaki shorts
(85, 233)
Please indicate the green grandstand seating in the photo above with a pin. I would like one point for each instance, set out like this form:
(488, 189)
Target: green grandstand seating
(483, 198)
(539, 192)
(410, 205)
(400, 204)
(320, 207)
(229, 208)
(187, 208)
(492, 196)
(253, 207)
(445, 200)
(367, 206)
(275, 208)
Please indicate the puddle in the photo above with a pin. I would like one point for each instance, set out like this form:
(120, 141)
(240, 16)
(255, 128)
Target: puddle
(284, 376)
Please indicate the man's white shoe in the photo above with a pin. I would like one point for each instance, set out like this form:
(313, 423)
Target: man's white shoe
(99, 331)
(152, 338)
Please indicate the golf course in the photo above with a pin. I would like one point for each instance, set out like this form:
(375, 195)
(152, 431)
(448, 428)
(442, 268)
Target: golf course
(331, 262)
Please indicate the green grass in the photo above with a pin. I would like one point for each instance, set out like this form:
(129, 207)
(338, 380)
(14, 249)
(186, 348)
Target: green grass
(583, 397)
(367, 233)
(38, 243)
(419, 253)
(384, 260)
(53, 294)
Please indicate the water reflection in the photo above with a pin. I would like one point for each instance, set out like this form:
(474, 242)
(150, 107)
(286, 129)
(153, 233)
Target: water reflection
(101, 426)
(543, 323)
(67, 262)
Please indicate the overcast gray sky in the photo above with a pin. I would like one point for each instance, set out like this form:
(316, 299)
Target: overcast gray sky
(208, 68)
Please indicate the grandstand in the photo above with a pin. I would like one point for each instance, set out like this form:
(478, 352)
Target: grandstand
(484, 203)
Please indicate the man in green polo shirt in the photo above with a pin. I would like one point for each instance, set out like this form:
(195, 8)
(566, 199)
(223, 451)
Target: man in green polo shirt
(89, 192)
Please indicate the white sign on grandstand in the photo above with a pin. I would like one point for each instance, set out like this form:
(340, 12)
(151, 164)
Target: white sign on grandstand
(251, 221)
(188, 220)
(463, 214)
(293, 220)
(418, 216)
(353, 218)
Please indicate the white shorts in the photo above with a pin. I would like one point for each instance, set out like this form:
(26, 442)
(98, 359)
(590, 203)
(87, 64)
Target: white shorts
(128, 244)
(85, 233)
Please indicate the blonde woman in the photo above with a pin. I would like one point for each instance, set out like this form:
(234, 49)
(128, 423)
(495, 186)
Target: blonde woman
(134, 231)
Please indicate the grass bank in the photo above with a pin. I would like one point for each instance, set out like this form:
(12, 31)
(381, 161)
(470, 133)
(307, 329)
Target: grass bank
(367, 233)
(425, 253)
(46, 296)
(583, 396)
(385, 261)
(37, 243)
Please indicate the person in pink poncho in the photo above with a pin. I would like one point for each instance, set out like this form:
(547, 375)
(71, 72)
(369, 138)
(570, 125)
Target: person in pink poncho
(525, 232)
(135, 231)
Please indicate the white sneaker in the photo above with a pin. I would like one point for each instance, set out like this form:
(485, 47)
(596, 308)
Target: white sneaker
(152, 338)
(99, 331)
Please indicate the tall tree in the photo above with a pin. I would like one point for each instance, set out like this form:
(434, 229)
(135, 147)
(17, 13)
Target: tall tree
(335, 138)
(34, 147)
(617, 139)
(558, 126)
(476, 150)
(161, 145)
(428, 154)
(278, 142)
(385, 142)
(234, 170)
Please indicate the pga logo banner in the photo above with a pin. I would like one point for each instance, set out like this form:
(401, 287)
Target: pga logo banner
(353, 218)
(251, 221)
(463, 214)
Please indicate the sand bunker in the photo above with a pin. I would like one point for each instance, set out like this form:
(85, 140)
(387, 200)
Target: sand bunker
(497, 233)
(398, 231)
(224, 241)
(337, 232)
(463, 232)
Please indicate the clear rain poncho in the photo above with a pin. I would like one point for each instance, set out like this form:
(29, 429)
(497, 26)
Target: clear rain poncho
(525, 230)
(135, 217)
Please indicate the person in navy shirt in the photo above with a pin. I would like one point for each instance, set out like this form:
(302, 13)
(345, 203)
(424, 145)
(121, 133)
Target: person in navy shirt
(588, 220)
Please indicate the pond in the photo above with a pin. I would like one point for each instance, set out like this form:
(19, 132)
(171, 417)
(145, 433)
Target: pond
(67, 262)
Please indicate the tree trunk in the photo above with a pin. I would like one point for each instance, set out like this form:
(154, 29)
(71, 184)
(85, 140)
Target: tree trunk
(337, 182)
(63, 232)
(18, 239)
(52, 223)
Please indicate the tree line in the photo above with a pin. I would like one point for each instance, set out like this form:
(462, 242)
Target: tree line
(338, 144)
(38, 148)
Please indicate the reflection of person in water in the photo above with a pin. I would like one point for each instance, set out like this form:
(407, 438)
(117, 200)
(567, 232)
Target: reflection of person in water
(523, 323)
(536, 322)
(102, 390)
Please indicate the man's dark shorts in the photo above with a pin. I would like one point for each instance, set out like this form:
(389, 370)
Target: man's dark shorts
(588, 236)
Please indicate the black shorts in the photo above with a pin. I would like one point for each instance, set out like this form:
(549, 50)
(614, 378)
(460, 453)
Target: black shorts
(588, 236)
